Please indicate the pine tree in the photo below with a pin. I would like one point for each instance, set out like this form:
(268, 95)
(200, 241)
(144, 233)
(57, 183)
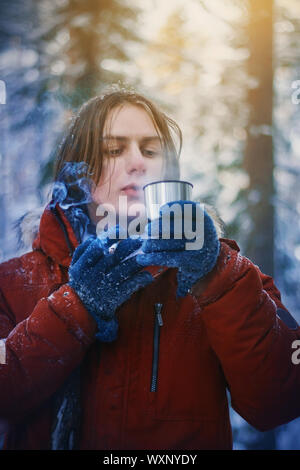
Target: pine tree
(54, 56)
(84, 37)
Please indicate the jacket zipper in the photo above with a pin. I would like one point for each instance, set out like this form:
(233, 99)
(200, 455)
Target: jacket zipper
(158, 323)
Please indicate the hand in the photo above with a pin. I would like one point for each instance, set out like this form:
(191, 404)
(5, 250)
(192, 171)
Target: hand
(194, 259)
(103, 282)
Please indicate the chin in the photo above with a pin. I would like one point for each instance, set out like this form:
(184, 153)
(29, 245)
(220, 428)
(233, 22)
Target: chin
(132, 213)
(133, 208)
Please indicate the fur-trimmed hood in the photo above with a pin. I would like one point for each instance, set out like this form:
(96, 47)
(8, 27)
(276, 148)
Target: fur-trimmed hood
(27, 227)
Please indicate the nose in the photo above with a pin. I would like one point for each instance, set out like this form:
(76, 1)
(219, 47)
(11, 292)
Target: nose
(135, 161)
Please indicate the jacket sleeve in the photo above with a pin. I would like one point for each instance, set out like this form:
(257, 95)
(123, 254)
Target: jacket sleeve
(254, 337)
(41, 351)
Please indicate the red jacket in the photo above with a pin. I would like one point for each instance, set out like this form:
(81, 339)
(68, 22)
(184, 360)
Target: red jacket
(227, 336)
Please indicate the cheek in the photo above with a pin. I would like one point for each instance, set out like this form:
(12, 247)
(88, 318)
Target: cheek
(98, 195)
(104, 192)
(156, 167)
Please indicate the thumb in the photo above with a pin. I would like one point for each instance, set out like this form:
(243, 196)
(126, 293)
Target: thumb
(112, 235)
(126, 247)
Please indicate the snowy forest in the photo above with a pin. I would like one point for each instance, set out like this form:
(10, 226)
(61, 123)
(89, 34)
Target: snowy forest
(228, 71)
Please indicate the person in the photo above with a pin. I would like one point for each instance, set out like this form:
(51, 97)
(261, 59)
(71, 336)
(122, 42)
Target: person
(104, 350)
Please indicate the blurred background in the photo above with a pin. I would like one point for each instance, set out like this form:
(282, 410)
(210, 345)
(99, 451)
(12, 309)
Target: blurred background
(228, 71)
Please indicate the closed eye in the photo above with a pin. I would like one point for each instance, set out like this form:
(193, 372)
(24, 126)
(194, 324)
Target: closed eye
(114, 152)
(150, 153)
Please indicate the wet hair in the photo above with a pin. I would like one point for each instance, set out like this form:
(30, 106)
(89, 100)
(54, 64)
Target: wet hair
(82, 141)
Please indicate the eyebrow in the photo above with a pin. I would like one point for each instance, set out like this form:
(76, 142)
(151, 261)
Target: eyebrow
(124, 138)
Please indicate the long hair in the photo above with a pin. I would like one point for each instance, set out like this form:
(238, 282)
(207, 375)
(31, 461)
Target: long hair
(82, 141)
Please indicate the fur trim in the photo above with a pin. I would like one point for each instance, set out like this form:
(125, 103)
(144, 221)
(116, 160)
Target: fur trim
(218, 222)
(27, 227)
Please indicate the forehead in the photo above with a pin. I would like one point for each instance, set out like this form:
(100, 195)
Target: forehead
(129, 120)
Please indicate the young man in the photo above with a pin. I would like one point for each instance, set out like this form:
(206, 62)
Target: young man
(102, 354)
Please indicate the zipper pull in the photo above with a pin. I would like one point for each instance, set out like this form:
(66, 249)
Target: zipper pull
(158, 308)
(156, 334)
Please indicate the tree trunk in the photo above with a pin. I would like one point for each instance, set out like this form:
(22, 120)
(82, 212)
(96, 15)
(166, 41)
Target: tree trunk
(258, 158)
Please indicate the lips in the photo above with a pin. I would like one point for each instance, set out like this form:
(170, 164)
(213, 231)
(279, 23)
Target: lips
(133, 190)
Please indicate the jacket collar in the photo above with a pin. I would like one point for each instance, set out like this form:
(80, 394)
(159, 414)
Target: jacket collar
(56, 237)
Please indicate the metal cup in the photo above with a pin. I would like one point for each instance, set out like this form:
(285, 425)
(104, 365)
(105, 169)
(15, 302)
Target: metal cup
(158, 193)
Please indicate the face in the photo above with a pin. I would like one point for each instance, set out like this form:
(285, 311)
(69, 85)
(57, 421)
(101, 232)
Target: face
(132, 157)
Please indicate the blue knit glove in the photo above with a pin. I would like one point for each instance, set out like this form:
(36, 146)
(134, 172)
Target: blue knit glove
(103, 281)
(193, 263)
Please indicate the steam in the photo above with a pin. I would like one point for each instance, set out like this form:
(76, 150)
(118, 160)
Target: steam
(73, 191)
(72, 187)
